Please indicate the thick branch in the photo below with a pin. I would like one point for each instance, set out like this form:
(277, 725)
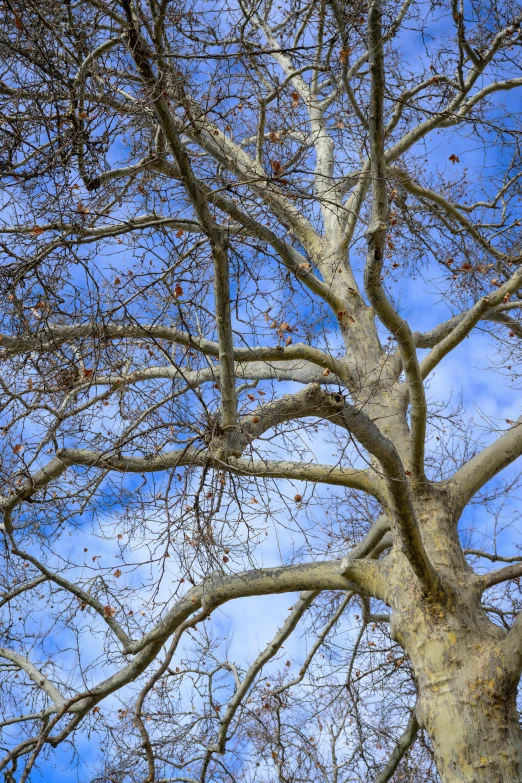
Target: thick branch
(35, 675)
(501, 575)
(376, 236)
(402, 512)
(487, 463)
(298, 471)
(55, 335)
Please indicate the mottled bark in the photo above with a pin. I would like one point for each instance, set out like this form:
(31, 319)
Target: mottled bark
(466, 675)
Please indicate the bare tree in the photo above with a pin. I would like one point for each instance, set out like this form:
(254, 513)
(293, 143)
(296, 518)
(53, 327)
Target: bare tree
(216, 217)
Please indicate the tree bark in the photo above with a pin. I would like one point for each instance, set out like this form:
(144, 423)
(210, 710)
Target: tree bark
(466, 682)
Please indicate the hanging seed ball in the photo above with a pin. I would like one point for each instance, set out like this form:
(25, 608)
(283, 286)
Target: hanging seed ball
(298, 498)
(255, 419)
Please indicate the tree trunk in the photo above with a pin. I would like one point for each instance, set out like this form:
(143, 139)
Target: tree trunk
(465, 681)
(473, 727)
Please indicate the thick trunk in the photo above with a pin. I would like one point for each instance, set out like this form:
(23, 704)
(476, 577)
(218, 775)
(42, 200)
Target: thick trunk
(466, 693)
(466, 685)
(474, 728)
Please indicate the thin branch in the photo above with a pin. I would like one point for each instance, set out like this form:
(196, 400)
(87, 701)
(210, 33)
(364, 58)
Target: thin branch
(404, 743)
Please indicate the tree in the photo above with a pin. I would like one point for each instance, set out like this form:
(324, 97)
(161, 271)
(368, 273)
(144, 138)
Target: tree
(221, 225)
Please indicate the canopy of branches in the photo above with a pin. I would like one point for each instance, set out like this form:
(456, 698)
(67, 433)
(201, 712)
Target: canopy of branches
(240, 243)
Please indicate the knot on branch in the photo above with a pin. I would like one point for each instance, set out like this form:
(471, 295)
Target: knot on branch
(376, 231)
(225, 442)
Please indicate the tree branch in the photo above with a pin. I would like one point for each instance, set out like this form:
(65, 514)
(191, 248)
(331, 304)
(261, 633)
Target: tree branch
(35, 675)
(403, 745)
(376, 237)
(486, 464)
(501, 575)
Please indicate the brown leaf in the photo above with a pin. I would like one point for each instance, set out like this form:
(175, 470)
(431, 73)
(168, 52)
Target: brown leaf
(344, 54)
(178, 291)
(18, 448)
(274, 136)
(277, 168)
(117, 281)
(117, 573)
(88, 373)
(109, 611)
(37, 231)
(295, 99)
(454, 158)
(180, 232)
